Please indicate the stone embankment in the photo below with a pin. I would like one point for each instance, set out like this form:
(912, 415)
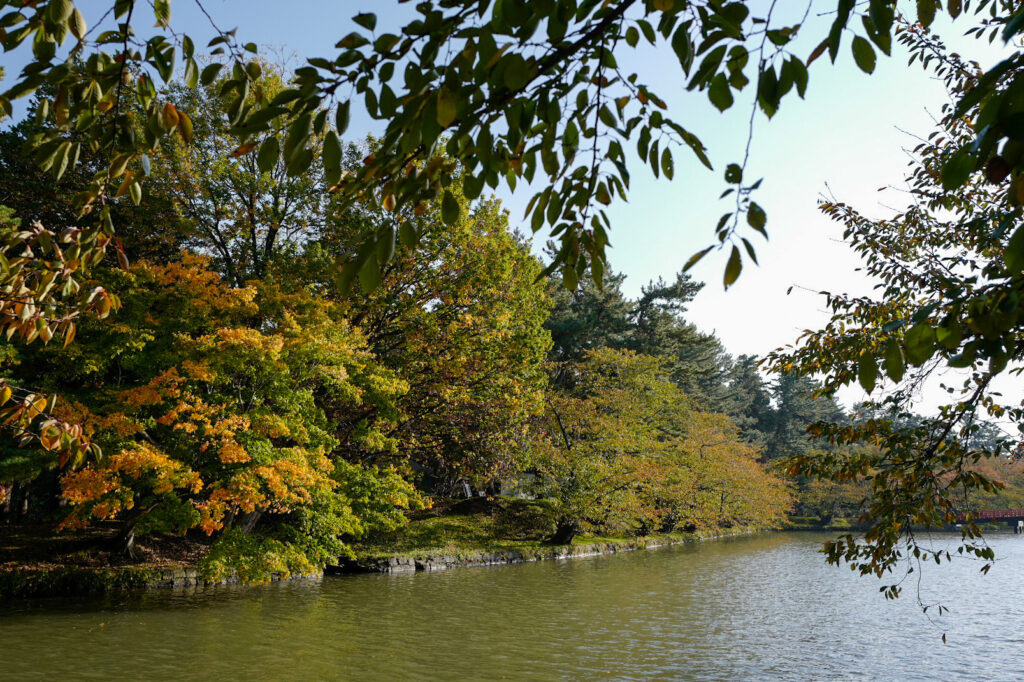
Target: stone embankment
(445, 561)
(74, 581)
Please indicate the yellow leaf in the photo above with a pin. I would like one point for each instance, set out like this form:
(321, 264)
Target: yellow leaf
(185, 127)
(170, 115)
(76, 22)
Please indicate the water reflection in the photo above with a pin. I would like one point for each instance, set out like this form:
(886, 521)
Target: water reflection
(750, 608)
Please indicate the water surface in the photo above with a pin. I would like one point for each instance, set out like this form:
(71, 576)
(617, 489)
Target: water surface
(749, 608)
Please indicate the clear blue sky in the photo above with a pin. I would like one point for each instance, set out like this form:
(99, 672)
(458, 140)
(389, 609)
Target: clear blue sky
(847, 137)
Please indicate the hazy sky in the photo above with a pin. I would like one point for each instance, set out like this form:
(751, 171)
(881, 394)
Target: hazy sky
(848, 137)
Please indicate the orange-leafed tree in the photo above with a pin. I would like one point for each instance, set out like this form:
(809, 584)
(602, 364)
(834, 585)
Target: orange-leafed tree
(227, 409)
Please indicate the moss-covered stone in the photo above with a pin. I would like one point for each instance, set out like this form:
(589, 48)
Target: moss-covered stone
(74, 581)
(377, 562)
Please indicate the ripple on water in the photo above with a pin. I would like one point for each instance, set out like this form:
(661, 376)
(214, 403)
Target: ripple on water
(752, 608)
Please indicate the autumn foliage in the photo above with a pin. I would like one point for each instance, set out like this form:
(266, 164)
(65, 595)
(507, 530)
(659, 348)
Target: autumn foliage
(228, 388)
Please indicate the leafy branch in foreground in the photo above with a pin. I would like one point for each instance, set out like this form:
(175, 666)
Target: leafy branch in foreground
(472, 90)
(949, 271)
(41, 298)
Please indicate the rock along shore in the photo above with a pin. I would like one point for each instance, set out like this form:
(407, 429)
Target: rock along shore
(77, 581)
(466, 559)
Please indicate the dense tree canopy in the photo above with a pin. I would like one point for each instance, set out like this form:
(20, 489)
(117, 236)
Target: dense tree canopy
(625, 447)
(246, 390)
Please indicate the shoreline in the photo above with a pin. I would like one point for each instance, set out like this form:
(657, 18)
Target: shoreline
(71, 581)
(442, 561)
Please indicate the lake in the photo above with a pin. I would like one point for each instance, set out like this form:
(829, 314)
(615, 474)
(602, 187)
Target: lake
(763, 607)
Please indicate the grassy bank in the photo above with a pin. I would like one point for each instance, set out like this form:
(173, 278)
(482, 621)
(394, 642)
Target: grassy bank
(499, 531)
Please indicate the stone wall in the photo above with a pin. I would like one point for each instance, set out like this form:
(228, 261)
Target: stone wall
(440, 562)
(21, 583)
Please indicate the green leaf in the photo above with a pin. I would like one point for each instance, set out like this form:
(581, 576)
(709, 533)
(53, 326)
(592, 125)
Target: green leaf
(756, 218)
(332, 150)
(867, 371)
(449, 208)
(632, 36)
(570, 277)
(367, 20)
(683, 47)
(385, 244)
(1013, 26)
(270, 152)
(695, 258)
(472, 186)
(341, 117)
(720, 93)
(667, 165)
(926, 11)
(863, 54)
(447, 107)
(733, 267)
(210, 73)
(369, 275)
(517, 73)
(957, 169)
(919, 343)
(894, 366)
(799, 71)
(300, 162)
(76, 22)
(949, 334)
(1013, 254)
(407, 233)
(733, 173)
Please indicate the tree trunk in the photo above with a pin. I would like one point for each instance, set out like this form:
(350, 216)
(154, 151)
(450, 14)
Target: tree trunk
(565, 532)
(246, 522)
(124, 543)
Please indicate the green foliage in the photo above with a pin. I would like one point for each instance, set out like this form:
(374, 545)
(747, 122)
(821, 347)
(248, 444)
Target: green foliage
(948, 299)
(254, 559)
(531, 91)
(245, 210)
(503, 523)
(624, 449)
(465, 332)
(589, 318)
(218, 407)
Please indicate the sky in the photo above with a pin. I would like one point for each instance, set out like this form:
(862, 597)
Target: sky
(847, 139)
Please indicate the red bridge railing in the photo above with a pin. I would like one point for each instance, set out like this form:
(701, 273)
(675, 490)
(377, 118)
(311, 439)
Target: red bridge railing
(997, 514)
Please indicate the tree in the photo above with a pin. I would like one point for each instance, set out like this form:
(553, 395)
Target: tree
(244, 210)
(747, 400)
(588, 317)
(949, 272)
(625, 449)
(591, 317)
(153, 230)
(462, 324)
(799, 403)
(210, 420)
